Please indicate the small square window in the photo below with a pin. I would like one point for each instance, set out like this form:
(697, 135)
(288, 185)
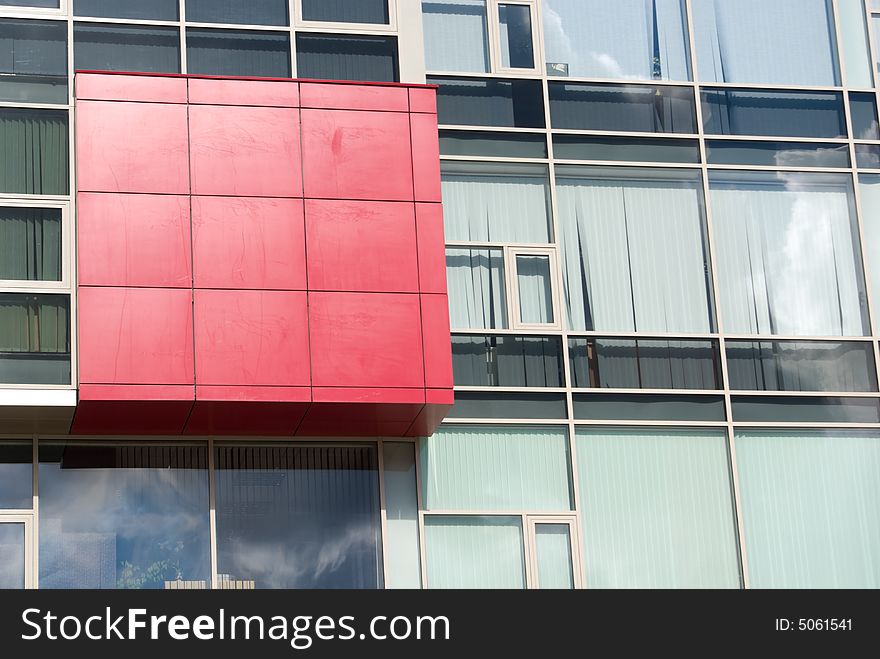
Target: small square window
(31, 244)
(35, 339)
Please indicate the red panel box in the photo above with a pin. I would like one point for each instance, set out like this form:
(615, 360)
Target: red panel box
(259, 258)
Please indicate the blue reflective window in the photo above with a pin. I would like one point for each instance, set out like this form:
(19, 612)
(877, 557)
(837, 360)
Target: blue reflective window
(777, 154)
(773, 113)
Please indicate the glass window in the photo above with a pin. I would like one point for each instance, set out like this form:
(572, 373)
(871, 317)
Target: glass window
(634, 255)
(493, 202)
(854, 40)
(490, 102)
(238, 53)
(401, 516)
(868, 156)
(34, 339)
(515, 28)
(777, 154)
(341, 57)
(622, 149)
(124, 516)
(649, 407)
(498, 468)
(875, 24)
(507, 405)
(773, 113)
(869, 189)
(298, 517)
(629, 39)
(553, 556)
(644, 364)
(809, 508)
(535, 289)
(33, 61)
(774, 42)
(801, 366)
(49, 4)
(621, 108)
(346, 11)
(243, 12)
(12, 556)
(863, 108)
(126, 48)
(474, 552)
(492, 145)
(805, 409)
(456, 35)
(657, 508)
(16, 475)
(30, 243)
(35, 148)
(790, 263)
(507, 361)
(477, 288)
(155, 10)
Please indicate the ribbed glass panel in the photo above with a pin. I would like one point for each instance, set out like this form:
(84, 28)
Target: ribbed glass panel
(656, 509)
(496, 468)
(854, 40)
(456, 35)
(553, 550)
(811, 508)
(401, 547)
(869, 189)
(474, 552)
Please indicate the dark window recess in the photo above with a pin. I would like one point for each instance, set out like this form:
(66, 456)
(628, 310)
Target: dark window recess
(155, 10)
(337, 57)
(507, 361)
(488, 405)
(34, 339)
(777, 154)
(635, 108)
(35, 147)
(489, 102)
(238, 53)
(801, 366)
(242, 12)
(806, 409)
(868, 156)
(773, 113)
(33, 61)
(126, 48)
(346, 11)
(626, 149)
(648, 407)
(863, 108)
(500, 145)
(644, 364)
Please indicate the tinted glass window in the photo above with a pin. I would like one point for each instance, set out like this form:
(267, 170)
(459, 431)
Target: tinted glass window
(645, 407)
(16, 475)
(157, 10)
(34, 144)
(244, 12)
(234, 53)
(33, 61)
(490, 102)
(34, 339)
(336, 57)
(126, 48)
(346, 11)
(507, 361)
(863, 108)
(473, 405)
(622, 149)
(806, 410)
(30, 243)
(777, 154)
(501, 145)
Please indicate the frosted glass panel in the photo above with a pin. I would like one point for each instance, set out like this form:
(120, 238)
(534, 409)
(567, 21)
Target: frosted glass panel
(810, 508)
(456, 35)
(496, 468)
(477, 298)
(869, 187)
(535, 290)
(474, 552)
(854, 38)
(553, 554)
(401, 547)
(656, 509)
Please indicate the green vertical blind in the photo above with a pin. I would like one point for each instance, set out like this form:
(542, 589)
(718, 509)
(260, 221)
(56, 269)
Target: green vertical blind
(656, 508)
(811, 508)
(493, 468)
(35, 148)
(474, 552)
(34, 323)
(30, 244)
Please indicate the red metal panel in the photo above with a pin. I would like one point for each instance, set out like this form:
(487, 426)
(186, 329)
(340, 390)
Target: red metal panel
(248, 242)
(245, 151)
(358, 420)
(131, 147)
(257, 338)
(356, 155)
(365, 340)
(135, 336)
(245, 418)
(437, 351)
(426, 157)
(354, 97)
(133, 240)
(423, 100)
(212, 91)
(432, 248)
(361, 246)
(131, 417)
(152, 89)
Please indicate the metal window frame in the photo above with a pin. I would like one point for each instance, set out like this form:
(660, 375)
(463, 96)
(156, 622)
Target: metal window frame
(496, 53)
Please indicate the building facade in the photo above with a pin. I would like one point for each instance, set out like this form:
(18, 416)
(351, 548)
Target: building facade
(661, 223)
